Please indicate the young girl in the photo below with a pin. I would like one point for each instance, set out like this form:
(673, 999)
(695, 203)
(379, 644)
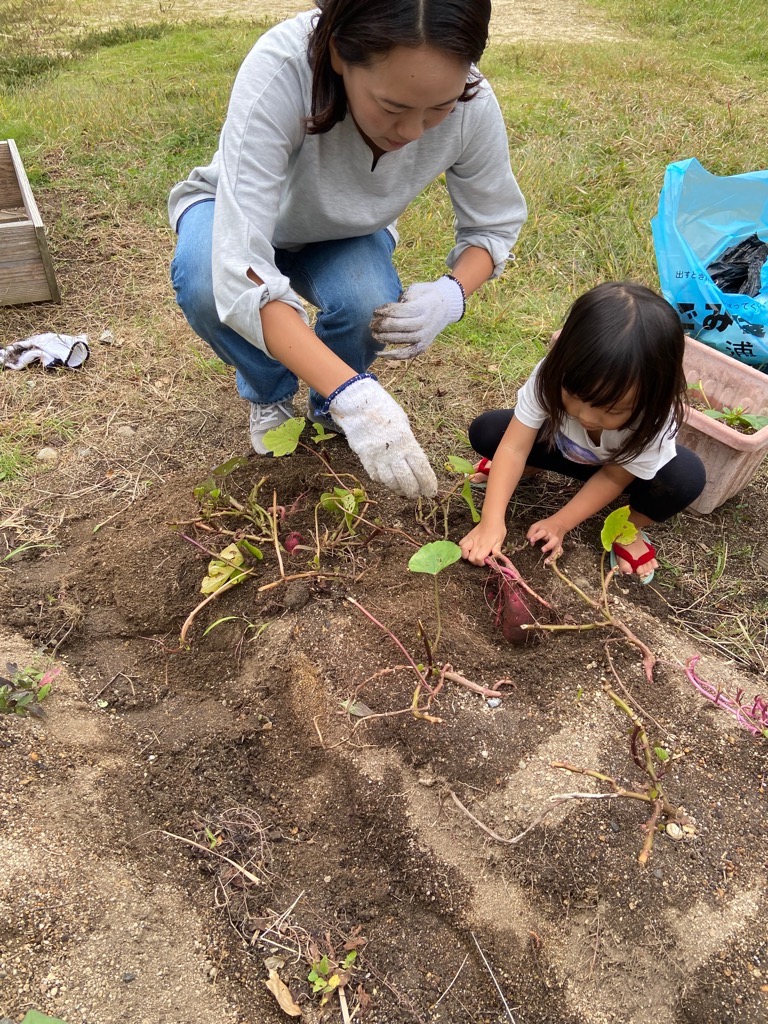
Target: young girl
(602, 406)
(337, 120)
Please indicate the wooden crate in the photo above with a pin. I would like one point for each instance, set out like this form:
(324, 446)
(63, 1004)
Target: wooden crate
(26, 271)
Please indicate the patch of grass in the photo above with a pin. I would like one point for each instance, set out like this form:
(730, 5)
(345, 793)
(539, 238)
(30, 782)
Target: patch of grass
(14, 462)
(120, 35)
(738, 31)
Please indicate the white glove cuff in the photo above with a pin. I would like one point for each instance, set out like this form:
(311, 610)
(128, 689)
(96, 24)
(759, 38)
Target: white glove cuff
(456, 298)
(325, 408)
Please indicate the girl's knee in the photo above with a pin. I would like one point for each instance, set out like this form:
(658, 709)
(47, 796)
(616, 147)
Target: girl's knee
(694, 476)
(484, 434)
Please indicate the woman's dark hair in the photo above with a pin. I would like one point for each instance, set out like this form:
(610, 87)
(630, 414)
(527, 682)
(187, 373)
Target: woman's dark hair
(362, 30)
(618, 337)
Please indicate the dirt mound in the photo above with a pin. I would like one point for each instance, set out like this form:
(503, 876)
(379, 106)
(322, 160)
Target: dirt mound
(370, 834)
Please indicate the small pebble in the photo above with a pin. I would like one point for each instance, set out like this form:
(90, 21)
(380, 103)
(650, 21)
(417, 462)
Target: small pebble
(494, 702)
(615, 827)
(129, 976)
(658, 873)
(674, 831)
(47, 455)
(126, 430)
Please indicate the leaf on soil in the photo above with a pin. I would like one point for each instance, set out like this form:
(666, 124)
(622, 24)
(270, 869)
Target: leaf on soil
(321, 434)
(281, 992)
(35, 1017)
(356, 708)
(225, 569)
(284, 440)
(433, 557)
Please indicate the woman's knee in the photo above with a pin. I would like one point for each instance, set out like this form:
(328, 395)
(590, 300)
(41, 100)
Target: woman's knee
(194, 290)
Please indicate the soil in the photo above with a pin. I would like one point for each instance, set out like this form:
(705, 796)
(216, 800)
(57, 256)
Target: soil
(190, 815)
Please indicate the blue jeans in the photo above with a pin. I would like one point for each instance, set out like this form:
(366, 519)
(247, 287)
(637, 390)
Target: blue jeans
(345, 279)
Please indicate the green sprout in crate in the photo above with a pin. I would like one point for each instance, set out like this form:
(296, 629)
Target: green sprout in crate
(737, 418)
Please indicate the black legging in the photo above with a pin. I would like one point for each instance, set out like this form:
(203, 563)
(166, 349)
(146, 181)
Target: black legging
(674, 487)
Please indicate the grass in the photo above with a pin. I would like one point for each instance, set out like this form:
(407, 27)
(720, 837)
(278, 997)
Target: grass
(107, 119)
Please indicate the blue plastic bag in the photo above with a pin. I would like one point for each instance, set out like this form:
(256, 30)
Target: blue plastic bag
(700, 216)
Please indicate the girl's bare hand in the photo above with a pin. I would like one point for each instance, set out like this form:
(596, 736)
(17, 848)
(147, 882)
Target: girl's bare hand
(551, 534)
(484, 540)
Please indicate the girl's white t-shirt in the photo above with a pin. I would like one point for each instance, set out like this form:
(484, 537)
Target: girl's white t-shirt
(574, 443)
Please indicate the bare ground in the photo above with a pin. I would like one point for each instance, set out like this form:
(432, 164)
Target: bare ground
(236, 741)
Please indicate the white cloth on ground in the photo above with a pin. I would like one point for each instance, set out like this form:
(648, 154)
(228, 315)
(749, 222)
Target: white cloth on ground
(52, 350)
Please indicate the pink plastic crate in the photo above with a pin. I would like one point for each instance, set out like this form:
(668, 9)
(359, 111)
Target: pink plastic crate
(732, 459)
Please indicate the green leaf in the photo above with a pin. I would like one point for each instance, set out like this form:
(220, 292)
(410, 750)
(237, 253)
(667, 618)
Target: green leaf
(225, 569)
(455, 464)
(35, 1017)
(756, 422)
(435, 556)
(207, 489)
(284, 440)
(211, 487)
(252, 550)
(321, 434)
(661, 753)
(43, 692)
(342, 500)
(617, 527)
(218, 622)
(349, 959)
(466, 493)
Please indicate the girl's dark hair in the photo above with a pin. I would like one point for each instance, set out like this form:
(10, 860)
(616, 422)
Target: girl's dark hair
(618, 337)
(363, 30)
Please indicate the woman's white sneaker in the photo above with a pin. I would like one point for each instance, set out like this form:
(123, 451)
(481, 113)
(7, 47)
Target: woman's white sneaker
(266, 416)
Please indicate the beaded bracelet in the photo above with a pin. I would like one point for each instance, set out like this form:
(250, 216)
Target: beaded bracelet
(463, 293)
(325, 408)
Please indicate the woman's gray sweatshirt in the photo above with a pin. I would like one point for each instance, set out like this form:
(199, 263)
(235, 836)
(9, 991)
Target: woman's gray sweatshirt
(278, 187)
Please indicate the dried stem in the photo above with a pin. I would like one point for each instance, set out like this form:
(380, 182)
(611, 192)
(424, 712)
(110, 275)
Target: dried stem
(206, 849)
(195, 611)
(275, 538)
(554, 801)
(456, 677)
(493, 978)
(391, 635)
(649, 658)
(650, 827)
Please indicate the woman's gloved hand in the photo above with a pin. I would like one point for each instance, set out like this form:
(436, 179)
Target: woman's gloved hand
(408, 327)
(379, 433)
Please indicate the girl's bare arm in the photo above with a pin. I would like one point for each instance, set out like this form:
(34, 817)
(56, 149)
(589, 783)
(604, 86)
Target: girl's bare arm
(600, 490)
(507, 467)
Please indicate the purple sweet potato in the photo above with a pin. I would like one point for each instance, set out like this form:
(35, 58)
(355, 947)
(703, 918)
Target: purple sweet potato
(512, 600)
(511, 612)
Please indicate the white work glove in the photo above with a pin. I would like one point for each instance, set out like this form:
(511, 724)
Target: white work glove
(379, 433)
(409, 326)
